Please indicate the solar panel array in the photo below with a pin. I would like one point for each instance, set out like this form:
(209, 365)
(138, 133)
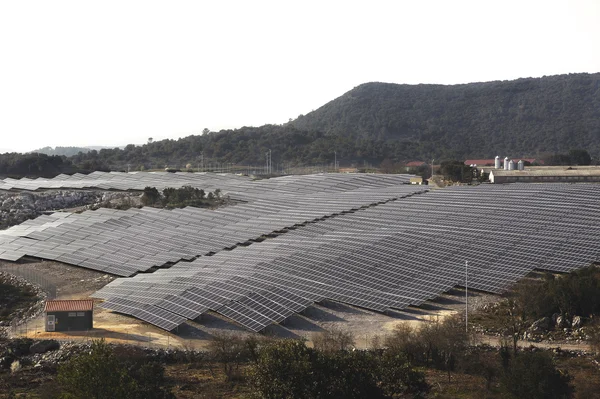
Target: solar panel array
(242, 185)
(389, 256)
(127, 242)
(135, 181)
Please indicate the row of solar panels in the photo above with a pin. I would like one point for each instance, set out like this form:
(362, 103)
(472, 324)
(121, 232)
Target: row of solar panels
(137, 240)
(229, 183)
(389, 256)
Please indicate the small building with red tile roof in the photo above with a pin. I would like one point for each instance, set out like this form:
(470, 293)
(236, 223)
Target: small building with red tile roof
(69, 315)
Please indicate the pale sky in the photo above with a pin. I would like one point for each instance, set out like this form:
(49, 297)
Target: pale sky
(117, 72)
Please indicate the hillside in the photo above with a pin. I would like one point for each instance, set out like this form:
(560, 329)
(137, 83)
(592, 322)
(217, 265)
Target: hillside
(524, 116)
(376, 121)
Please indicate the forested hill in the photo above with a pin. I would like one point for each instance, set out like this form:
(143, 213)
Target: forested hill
(377, 121)
(520, 117)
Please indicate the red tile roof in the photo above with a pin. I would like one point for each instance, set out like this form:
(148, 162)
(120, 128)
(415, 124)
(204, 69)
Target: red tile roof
(480, 162)
(415, 163)
(76, 305)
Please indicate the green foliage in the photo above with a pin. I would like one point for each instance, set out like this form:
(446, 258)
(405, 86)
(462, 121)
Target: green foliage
(333, 340)
(102, 374)
(576, 293)
(456, 171)
(35, 165)
(98, 375)
(288, 369)
(187, 196)
(151, 196)
(573, 157)
(180, 197)
(66, 151)
(378, 121)
(437, 343)
(531, 115)
(533, 375)
(230, 351)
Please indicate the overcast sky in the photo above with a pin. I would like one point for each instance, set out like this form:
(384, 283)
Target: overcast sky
(117, 72)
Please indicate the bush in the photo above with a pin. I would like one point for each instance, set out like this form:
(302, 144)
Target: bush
(533, 375)
(101, 374)
(289, 369)
(576, 293)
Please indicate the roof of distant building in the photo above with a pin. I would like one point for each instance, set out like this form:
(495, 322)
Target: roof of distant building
(75, 305)
(547, 172)
(415, 163)
(481, 162)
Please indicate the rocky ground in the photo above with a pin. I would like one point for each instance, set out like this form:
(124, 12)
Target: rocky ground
(24, 302)
(15, 208)
(567, 332)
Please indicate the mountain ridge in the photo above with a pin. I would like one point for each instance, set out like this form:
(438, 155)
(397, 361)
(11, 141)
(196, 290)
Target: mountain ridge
(527, 117)
(470, 111)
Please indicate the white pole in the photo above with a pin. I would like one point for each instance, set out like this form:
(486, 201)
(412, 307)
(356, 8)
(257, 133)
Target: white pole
(467, 296)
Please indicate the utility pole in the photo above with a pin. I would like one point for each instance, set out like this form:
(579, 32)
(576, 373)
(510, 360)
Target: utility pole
(467, 296)
(128, 166)
(269, 163)
(335, 161)
(432, 169)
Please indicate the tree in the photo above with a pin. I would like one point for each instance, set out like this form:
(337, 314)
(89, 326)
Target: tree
(456, 171)
(97, 375)
(288, 369)
(333, 340)
(580, 157)
(151, 196)
(284, 370)
(533, 375)
(229, 350)
(101, 374)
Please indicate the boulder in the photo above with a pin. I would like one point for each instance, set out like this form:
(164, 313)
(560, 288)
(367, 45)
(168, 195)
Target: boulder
(6, 361)
(44, 346)
(562, 322)
(542, 324)
(554, 318)
(577, 321)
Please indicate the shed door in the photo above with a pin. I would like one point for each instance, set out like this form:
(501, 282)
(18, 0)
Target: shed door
(50, 322)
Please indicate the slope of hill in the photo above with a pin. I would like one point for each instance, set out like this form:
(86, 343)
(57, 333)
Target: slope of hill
(524, 116)
(375, 121)
(67, 151)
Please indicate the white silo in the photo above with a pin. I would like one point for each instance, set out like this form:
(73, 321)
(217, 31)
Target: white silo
(497, 162)
(521, 165)
(511, 165)
(506, 160)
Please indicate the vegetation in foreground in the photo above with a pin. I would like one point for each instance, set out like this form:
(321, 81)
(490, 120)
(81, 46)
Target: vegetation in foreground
(14, 299)
(554, 307)
(434, 360)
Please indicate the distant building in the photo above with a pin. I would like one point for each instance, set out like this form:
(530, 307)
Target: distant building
(544, 176)
(491, 162)
(415, 164)
(69, 315)
(416, 180)
(410, 166)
